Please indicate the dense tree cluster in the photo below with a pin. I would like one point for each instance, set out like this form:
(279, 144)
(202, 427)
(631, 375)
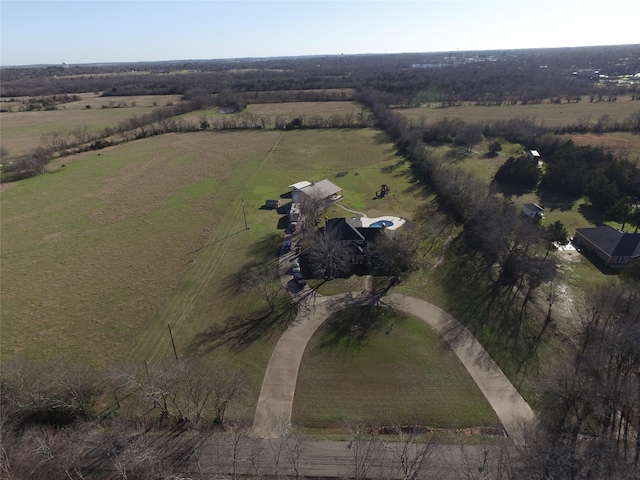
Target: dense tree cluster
(520, 171)
(590, 405)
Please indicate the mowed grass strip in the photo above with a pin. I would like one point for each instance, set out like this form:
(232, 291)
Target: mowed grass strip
(382, 367)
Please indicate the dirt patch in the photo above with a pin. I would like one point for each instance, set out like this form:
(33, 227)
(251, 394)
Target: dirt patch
(616, 142)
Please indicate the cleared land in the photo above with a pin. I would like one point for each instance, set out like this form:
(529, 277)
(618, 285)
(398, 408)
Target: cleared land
(99, 256)
(619, 143)
(23, 132)
(305, 108)
(550, 114)
(381, 367)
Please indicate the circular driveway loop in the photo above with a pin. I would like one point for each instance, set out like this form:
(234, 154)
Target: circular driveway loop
(275, 403)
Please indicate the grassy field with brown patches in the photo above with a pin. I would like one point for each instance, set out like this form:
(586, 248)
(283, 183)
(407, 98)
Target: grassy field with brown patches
(550, 114)
(304, 108)
(100, 255)
(23, 132)
(91, 252)
(287, 111)
(617, 142)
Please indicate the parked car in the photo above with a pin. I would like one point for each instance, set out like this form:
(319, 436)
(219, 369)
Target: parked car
(287, 245)
(295, 267)
(299, 279)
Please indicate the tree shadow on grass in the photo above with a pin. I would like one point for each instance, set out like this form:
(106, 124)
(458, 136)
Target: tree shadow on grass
(594, 215)
(485, 304)
(353, 327)
(510, 189)
(560, 201)
(239, 332)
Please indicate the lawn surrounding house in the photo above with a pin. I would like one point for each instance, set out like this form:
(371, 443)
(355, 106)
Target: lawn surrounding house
(99, 256)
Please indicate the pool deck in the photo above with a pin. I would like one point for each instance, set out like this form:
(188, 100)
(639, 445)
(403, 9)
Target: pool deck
(367, 221)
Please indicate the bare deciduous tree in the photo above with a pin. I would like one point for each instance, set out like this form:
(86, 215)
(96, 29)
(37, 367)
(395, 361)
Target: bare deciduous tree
(266, 283)
(328, 256)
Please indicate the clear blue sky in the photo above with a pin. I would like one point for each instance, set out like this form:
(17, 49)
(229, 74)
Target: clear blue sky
(91, 31)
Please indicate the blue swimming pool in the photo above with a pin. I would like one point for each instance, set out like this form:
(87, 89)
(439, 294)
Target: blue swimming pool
(381, 223)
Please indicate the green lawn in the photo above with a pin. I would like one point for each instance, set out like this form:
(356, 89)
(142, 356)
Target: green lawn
(99, 256)
(378, 366)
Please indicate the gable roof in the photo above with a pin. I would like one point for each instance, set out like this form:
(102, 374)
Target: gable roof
(370, 234)
(342, 230)
(300, 185)
(322, 189)
(534, 207)
(611, 241)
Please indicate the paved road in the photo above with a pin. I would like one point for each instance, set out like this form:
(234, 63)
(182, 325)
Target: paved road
(275, 403)
(260, 457)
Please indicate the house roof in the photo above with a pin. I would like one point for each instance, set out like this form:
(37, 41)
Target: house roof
(534, 207)
(370, 234)
(342, 230)
(534, 153)
(612, 241)
(300, 185)
(322, 189)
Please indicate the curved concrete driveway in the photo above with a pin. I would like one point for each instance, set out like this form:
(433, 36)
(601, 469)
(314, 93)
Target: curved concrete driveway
(273, 412)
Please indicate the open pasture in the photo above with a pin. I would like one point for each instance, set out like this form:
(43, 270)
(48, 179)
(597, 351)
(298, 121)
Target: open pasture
(293, 109)
(286, 111)
(23, 132)
(101, 255)
(384, 368)
(619, 143)
(549, 114)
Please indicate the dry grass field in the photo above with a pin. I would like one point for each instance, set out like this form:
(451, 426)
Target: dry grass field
(550, 114)
(293, 109)
(625, 144)
(23, 132)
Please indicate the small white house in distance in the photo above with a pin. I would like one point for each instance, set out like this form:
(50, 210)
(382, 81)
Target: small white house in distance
(534, 156)
(532, 210)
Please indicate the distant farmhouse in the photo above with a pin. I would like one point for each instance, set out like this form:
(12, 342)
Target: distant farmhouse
(615, 248)
(533, 210)
(534, 156)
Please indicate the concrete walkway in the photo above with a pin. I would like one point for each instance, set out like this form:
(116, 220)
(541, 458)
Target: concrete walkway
(275, 403)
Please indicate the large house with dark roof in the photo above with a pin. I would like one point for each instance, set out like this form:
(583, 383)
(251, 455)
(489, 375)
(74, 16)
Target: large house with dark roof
(353, 236)
(614, 247)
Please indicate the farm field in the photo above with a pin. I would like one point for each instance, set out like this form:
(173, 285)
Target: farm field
(101, 255)
(619, 143)
(550, 114)
(287, 111)
(304, 108)
(384, 368)
(22, 132)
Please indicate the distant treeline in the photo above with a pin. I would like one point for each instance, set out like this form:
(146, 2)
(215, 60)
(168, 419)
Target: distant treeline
(510, 76)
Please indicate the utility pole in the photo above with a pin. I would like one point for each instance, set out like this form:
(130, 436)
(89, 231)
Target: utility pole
(246, 227)
(175, 352)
